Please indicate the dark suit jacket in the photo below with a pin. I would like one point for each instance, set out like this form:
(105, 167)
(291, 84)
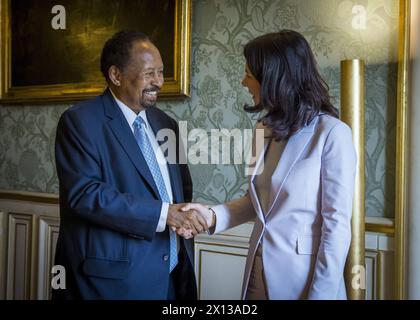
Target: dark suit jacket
(110, 208)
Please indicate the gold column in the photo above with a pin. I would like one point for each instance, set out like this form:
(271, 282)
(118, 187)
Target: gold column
(402, 151)
(353, 113)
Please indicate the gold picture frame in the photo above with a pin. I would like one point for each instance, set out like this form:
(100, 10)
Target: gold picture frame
(177, 83)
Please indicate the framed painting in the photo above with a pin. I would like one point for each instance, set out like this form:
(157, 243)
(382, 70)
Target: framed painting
(51, 52)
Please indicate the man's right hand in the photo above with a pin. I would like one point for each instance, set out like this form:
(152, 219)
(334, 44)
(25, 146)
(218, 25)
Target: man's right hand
(186, 220)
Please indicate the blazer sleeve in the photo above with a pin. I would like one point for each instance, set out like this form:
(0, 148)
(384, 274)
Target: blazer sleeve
(82, 191)
(233, 213)
(338, 169)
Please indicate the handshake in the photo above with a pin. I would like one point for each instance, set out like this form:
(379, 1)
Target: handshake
(190, 219)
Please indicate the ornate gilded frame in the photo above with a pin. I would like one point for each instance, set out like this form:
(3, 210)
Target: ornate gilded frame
(174, 87)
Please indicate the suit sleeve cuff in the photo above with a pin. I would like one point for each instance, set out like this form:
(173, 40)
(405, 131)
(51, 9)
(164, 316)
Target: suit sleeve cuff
(163, 217)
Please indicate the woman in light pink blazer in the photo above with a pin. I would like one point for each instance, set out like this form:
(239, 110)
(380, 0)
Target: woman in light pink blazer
(302, 232)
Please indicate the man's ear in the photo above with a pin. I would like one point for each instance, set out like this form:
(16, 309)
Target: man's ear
(114, 75)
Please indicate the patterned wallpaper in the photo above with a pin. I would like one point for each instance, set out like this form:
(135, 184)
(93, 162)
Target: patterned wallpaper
(335, 29)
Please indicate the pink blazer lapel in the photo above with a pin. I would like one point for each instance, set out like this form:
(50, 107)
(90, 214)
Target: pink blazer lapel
(290, 155)
(251, 187)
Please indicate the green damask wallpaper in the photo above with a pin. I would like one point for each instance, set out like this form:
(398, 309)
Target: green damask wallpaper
(336, 30)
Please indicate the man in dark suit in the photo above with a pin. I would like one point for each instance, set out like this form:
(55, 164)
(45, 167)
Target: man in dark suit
(119, 199)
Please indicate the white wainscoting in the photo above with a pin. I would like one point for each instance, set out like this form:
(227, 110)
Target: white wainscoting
(379, 259)
(28, 236)
(29, 226)
(220, 264)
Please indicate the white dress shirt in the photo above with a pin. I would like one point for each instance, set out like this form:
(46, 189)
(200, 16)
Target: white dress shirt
(130, 116)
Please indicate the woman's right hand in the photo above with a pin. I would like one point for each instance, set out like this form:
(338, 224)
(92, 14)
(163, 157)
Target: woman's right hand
(205, 211)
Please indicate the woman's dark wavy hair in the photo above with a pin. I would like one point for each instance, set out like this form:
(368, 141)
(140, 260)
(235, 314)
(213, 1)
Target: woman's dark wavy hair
(292, 92)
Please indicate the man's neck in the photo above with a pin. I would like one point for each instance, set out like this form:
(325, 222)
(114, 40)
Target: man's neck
(137, 108)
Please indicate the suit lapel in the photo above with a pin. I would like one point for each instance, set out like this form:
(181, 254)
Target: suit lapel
(156, 124)
(290, 155)
(253, 193)
(125, 137)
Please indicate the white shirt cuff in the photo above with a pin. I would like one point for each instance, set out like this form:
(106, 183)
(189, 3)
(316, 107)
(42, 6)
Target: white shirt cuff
(163, 217)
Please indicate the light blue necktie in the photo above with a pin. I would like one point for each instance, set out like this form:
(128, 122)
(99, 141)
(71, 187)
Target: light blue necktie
(150, 157)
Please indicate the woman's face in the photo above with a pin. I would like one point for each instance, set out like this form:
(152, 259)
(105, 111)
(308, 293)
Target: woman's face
(252, 85)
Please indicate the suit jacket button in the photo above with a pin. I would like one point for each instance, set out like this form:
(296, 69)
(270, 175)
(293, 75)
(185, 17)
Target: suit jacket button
(165, 257)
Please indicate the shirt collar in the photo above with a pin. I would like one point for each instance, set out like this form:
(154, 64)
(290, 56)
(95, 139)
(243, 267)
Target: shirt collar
(128, 113)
